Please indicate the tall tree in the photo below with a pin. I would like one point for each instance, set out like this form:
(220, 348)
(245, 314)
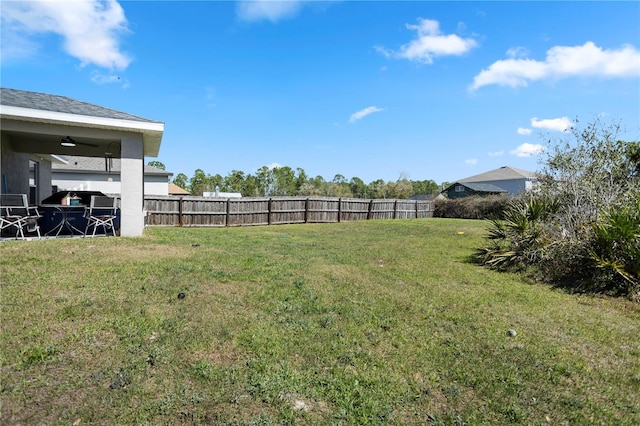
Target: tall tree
(301, 179)
(358, 187)
(215, 181)
(181, 181)
(264, 178)
(284, 182)
(251, 186)
(234, 182)
(198, 182)
(157, 164)
(376, 189)
(402, 189)
(425, 187)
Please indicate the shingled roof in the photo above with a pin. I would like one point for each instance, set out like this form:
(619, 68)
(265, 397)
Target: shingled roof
(482, 187)
(56, 103)
(503, 173)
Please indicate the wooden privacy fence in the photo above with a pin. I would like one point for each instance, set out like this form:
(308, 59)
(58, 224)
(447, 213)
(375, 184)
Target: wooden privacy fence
(206, 211)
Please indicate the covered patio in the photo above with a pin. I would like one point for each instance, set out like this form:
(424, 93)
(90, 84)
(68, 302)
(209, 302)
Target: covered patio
(38, 129)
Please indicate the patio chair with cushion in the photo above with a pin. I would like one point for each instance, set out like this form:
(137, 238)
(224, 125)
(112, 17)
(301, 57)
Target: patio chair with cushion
(16, 213)
(101, 214)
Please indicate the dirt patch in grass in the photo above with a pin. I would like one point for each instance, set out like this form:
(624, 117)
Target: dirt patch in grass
(142, 252)
(44, 397)
(243, 410)
(225, 354)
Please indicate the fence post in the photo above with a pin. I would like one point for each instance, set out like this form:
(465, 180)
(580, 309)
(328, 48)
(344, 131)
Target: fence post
(306, 210)
(180, 211)
(417, 217)
(395, 209)
(370, 212)
(228, 216)
(339, 209)
(269, 213)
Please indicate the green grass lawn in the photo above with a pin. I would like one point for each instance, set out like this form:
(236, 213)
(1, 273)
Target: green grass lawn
(372, 322)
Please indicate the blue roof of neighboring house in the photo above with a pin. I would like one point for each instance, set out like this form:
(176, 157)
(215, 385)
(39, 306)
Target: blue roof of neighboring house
(478, 187)
(482, 187)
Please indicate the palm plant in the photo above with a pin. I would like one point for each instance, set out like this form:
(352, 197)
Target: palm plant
(615, 248)
(519, 239)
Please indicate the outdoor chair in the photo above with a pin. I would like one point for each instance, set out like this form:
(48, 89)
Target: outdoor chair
(16, 213)
(101, 214)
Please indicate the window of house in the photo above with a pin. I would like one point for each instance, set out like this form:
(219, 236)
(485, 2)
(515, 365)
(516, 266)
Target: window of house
(459, 188)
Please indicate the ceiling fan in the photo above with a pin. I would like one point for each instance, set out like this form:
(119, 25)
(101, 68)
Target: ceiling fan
(70, 142)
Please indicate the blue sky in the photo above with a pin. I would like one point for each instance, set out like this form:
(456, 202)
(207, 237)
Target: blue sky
(375, 90)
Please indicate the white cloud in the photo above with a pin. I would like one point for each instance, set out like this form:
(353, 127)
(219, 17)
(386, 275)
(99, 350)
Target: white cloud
(561, 62)
(90, 29)
(561, 124)
(527, 150)
(496, 153)
(100, 78)
(471, 161)
(430, 43)
(272, 10)
(363, 113)
(523, 131)
(517, 52)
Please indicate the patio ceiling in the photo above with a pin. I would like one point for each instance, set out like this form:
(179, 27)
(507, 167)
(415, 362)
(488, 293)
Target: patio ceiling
(92, 139)
(47, 143)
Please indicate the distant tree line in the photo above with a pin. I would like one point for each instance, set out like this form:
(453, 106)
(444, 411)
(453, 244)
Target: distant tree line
(285, 181)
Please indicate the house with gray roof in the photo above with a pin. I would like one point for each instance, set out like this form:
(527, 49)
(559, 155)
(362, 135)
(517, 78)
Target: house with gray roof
(38, 130)
(74, 173)
(512, 180)
(467, 189)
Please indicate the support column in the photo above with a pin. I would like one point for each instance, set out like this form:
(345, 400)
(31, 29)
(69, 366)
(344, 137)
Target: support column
(132, 186)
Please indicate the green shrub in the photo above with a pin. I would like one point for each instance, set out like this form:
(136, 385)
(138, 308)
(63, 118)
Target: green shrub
(579, 229)
(519, 238)
(615, 250)
(474, 207)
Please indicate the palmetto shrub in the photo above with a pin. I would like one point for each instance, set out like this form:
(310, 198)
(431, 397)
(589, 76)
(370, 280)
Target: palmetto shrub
(615, 249)
(519, 238)
(602, 257)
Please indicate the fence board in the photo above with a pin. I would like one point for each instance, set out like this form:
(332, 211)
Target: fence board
(354, 209)
(216, 212)
(322, 210)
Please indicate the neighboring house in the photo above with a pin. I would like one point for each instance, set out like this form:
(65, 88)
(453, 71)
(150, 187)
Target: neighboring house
(220, 194)
(103, 174)
(466, 189)
(176, 190)
(423, 197)
(38, 129)
(510, 179)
